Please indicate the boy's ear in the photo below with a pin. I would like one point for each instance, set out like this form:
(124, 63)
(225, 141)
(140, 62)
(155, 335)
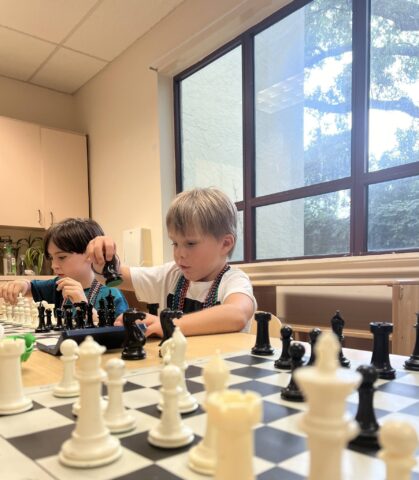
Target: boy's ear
(228, 243)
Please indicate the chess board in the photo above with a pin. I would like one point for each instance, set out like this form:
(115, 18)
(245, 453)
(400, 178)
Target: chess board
(30, 441)
(11, 329)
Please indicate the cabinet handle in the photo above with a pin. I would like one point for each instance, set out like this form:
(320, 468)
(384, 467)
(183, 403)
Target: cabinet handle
(39, 217)
(52, 217)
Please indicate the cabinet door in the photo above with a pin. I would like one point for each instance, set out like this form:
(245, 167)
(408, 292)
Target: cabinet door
(65, 175)
(21, 185)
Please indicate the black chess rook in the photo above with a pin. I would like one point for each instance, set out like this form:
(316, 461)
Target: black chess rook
(262, 345)
(380, 351)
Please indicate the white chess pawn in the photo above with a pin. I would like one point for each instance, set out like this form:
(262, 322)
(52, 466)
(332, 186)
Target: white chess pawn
(91, 444)
(170, 432)
(399, 441)
(1, 331)
(12, 399)
(69, 386)
(27, 313)
(117, 419)
(34, 314)
(234, 414)
(202, 457)
(175, 348)
(326, 387)
(9, 313)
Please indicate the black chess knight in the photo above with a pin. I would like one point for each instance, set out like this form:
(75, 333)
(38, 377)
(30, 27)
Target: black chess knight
(134, 341)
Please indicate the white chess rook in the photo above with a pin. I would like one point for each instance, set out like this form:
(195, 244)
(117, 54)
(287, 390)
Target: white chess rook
(399, 441)
(170, 432)
(69, 386)
(175, 347)
(117, 419)
(12, 399)
(234, 414)
(91, 444)
(326, 387)
(202, 457)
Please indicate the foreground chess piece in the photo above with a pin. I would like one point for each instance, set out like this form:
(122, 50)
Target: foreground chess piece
(263, 344)
(69, 386)
(284, 361)
(234, 414)
(292, 392)
(412, 363)
(326, 387)
(91, 444)
(380, 351)
(117, 419)
(134, 340)
(399, 441)
(337, 323)
(202, 457)
(12, 399)
(170, 432)
(365, 416)
(175, 348)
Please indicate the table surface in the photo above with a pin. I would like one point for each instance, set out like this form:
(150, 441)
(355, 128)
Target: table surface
(43, 368)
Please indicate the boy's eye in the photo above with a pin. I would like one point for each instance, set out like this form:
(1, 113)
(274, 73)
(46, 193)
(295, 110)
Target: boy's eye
(62, 257)
(191, 244)
(174, 244)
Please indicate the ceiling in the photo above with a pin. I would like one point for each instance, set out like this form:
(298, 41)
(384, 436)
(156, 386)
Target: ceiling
(61, 44)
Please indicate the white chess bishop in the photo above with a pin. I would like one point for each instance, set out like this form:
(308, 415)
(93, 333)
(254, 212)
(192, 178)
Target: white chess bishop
(12, 399)
(326, 387)
(202, 457)
(91, 444)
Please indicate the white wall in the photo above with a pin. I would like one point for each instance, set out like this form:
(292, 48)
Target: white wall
(127, 112)
(38, 105)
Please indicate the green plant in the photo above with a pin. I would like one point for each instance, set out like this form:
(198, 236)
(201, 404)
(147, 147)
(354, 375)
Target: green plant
(34, 253)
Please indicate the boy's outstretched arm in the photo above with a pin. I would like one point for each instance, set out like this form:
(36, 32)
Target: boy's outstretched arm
(102, 249)
(231, 316)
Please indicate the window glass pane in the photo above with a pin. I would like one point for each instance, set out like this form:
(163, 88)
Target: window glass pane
(238, 253)
(211, 123)
(303, 68)
(309, 226)
(393, 215)
(394, 85)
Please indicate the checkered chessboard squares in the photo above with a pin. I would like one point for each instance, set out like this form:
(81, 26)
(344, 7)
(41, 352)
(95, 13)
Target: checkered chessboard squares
(32, 440)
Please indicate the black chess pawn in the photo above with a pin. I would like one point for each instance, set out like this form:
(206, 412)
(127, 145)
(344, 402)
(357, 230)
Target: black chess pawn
(110, 310)
(380, 350)
(412, 363)
(313, 336)
(368, 436)
(153, 308)
(263, 344)
(59, 316)
(111, 272)
(284, 361)
(101, 313)
(68, 317)
(292, 391)
(89, 321)
(79, 317)
(132, 348)
(337, 323)
(48, 314)
(41, 317)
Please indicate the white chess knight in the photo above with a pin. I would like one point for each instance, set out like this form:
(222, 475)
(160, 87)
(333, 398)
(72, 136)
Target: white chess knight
(117, 419)
(399, 441)
(91, 444)
(12, 399)
(326, 387)
(234, 414)
(69, 386)
(175, 349)
(202, 457)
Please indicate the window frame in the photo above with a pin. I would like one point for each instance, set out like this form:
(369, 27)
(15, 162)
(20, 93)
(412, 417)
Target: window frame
(360, 177)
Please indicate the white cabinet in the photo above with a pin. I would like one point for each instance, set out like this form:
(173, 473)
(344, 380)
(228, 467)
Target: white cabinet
(65, 175)
(44, 175)
(22, 186)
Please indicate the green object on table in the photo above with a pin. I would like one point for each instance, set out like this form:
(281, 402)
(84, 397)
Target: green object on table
(29, 344)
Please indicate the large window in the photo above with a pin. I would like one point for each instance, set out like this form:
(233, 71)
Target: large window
(310, 122)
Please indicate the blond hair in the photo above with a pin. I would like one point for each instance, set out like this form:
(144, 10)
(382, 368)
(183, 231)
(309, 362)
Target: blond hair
(206, 210)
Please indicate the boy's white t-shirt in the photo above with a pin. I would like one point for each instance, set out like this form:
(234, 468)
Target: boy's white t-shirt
(155, 284)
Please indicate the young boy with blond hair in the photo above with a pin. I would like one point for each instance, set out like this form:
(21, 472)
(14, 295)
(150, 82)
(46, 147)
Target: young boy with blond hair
(214, 297)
